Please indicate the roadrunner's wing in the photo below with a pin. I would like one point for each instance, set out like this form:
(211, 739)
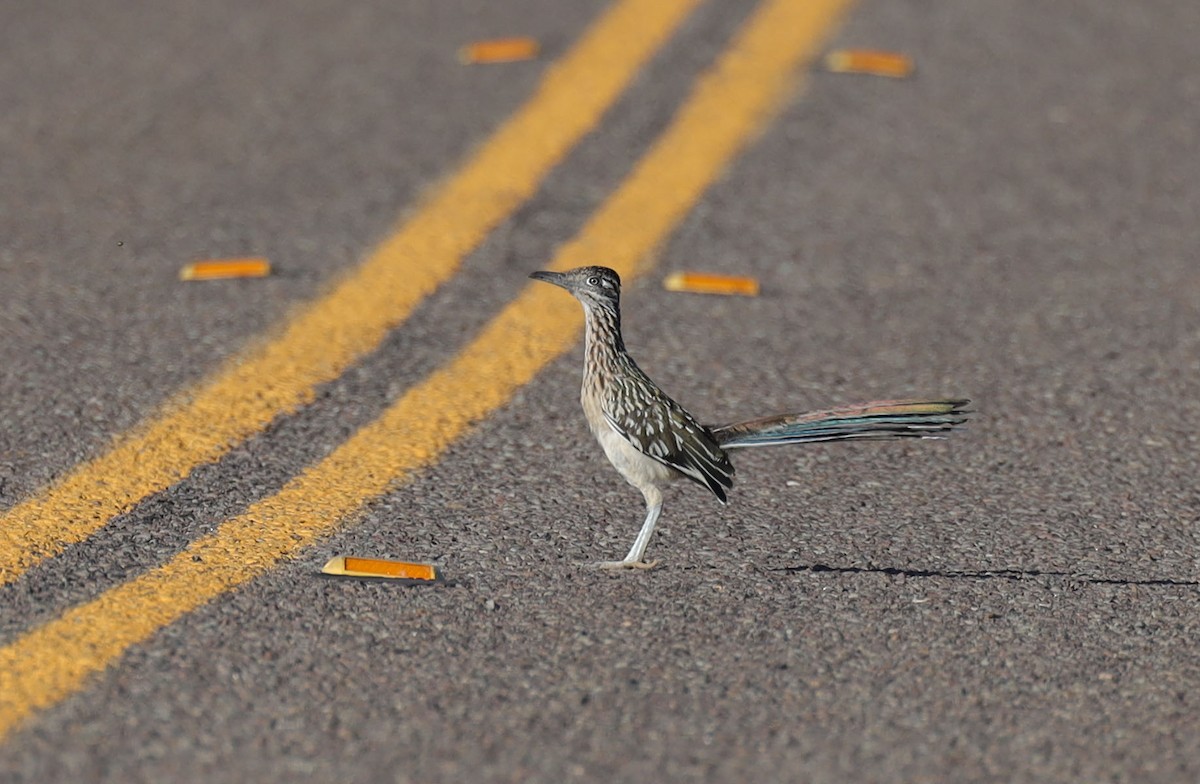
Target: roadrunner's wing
(661, 429)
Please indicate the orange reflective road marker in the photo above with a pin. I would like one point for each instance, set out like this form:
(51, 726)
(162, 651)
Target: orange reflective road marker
(869, 61)
(217, 269)
(501, 50)
(351, 566)
(705, 283)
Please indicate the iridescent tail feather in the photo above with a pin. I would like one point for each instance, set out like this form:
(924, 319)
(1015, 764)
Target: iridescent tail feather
(866, 421)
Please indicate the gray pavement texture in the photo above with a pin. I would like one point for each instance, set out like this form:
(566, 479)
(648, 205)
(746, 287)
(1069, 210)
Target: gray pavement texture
(1019, 223)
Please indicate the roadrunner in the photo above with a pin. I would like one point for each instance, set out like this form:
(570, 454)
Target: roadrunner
(650, 439)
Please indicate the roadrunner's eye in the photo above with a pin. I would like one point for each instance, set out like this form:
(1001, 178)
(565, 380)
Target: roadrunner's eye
(593, 281)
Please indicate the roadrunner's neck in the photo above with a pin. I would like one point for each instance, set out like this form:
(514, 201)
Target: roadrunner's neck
(604, 348)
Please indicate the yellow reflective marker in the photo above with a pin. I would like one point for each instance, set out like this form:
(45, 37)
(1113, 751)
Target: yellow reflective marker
(869, 61)
(351, 566)
(218, 269)
(501, 50)
(321, 340)
(706, 283)
(729, 105)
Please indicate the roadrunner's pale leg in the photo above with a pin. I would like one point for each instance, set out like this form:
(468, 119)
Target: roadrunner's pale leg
(650, 439)
(633, 560)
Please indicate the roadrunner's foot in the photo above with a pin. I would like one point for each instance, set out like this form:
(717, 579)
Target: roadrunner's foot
(613, 565)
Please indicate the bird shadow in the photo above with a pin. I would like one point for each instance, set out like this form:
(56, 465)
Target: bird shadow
(985, 574)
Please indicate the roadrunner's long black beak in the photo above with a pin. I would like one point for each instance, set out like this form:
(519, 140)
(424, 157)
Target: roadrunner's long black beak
(557, 278)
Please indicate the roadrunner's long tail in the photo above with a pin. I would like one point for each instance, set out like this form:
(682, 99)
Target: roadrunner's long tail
(866, 421)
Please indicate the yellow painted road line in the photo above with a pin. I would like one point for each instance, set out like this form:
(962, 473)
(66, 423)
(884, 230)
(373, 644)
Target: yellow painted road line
(322, 340)
(728, 106)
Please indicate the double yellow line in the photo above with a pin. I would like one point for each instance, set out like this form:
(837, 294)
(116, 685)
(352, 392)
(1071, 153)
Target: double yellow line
(319, 343)
(729, 104)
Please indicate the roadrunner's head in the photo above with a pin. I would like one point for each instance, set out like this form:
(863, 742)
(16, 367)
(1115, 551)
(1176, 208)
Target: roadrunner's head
(592, 286)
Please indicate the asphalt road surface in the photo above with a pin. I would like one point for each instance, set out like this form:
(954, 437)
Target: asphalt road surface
(1018, 223)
